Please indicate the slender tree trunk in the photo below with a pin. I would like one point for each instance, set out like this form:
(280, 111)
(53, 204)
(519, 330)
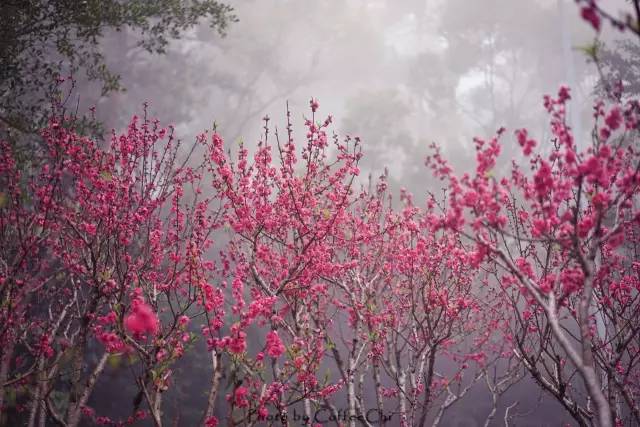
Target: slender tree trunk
(216, 359)
(77, 366)
(35, 404)
(37, 400)
(351, 392)
(307, 409)
(378, 386)
(584, 366)
(428, 379)
(402, 385)
(589, 373)
(75, 413)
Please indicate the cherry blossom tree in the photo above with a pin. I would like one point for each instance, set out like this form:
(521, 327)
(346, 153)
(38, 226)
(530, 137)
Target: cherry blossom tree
(284, 214)
(411, 306)
(339, 280)
(559, 235)
(562, 240)
(101, 259)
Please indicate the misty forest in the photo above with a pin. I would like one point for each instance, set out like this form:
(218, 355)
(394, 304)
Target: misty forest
(309, 213)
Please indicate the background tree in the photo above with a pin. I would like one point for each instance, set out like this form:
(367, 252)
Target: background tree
(42, 39)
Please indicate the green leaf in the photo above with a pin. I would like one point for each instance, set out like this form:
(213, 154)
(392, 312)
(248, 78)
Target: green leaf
(114, 360)
(590, 50)
(4, 200)
(327, 376)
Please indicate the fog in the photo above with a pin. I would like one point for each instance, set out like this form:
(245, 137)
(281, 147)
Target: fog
(398, 74)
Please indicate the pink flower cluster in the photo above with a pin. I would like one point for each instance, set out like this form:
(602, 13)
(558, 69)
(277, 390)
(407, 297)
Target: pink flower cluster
(142, 319)
(275, 348)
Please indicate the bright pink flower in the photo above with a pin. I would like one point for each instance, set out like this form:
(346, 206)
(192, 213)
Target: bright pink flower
(543, 180)
(238, 343)
(614, 118)
(572, 279)
(564, 94)
(590, 14)
(527, 144)
(314, 104)
(525, 267)
(103, 421)
(90, 229)
(88, 412)
(547, 284)
(263, 413)
(275, 348)
(240, 397)
(142, 320)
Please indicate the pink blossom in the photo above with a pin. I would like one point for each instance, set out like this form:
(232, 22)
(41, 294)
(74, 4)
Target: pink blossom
(142, 320)
(526, 143)
(240, 397)
(275, 348)
(183, 320)
(563, 94)
(614, 118)
(238, 343)
(543, 180)
(571, 279)
(262, 413)
(314, 104)
(590, 14)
